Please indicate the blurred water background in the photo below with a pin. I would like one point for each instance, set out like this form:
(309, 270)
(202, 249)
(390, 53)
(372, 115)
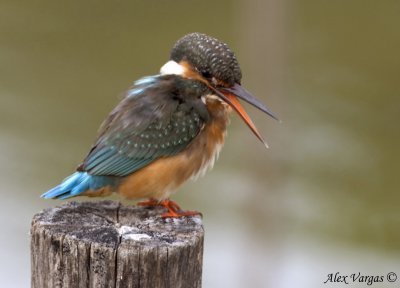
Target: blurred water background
(323, 199)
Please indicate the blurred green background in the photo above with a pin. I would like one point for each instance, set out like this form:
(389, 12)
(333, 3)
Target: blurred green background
(323, 199)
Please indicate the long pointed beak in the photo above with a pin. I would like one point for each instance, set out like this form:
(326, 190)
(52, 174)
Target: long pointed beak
(230, 96)
(242, 93)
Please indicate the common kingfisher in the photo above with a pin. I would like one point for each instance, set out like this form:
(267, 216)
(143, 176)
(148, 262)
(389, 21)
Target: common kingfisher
(168, 128)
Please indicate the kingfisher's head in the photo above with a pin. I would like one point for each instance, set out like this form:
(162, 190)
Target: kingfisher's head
(201, 57)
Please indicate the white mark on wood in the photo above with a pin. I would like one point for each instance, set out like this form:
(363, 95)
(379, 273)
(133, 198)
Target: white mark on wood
(128, 232)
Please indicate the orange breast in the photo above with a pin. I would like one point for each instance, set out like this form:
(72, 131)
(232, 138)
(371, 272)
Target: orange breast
(163, 176)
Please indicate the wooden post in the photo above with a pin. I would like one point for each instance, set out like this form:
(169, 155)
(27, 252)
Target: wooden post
(106, 244)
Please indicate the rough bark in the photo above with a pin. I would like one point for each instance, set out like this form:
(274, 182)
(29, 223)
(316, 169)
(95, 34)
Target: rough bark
(106, 244)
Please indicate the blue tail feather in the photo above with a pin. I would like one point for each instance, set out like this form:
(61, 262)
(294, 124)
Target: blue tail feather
(78, 183)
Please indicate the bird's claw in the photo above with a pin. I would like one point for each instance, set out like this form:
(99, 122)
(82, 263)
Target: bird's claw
(174, 211)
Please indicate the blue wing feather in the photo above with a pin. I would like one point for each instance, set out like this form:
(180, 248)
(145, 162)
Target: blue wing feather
(149, 123)
(78, 183)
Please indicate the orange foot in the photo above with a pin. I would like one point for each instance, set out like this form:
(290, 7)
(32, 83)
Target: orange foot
(174, 211)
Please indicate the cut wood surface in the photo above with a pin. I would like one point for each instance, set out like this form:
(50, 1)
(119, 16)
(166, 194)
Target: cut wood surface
(107, 244)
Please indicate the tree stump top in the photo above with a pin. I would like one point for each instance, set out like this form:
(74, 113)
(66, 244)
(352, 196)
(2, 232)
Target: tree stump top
(107, 244)
(110, 223)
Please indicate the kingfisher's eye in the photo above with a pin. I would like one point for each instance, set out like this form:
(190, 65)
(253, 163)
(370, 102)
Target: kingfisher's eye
(206, 74)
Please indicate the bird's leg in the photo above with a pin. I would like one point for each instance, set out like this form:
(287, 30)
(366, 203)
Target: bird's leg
(150, 202)
(174, 211)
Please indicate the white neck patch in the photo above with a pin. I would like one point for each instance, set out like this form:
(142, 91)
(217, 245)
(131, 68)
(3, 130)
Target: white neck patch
(172, 68)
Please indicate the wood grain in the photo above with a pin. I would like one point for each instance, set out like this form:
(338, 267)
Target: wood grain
(106, 244)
